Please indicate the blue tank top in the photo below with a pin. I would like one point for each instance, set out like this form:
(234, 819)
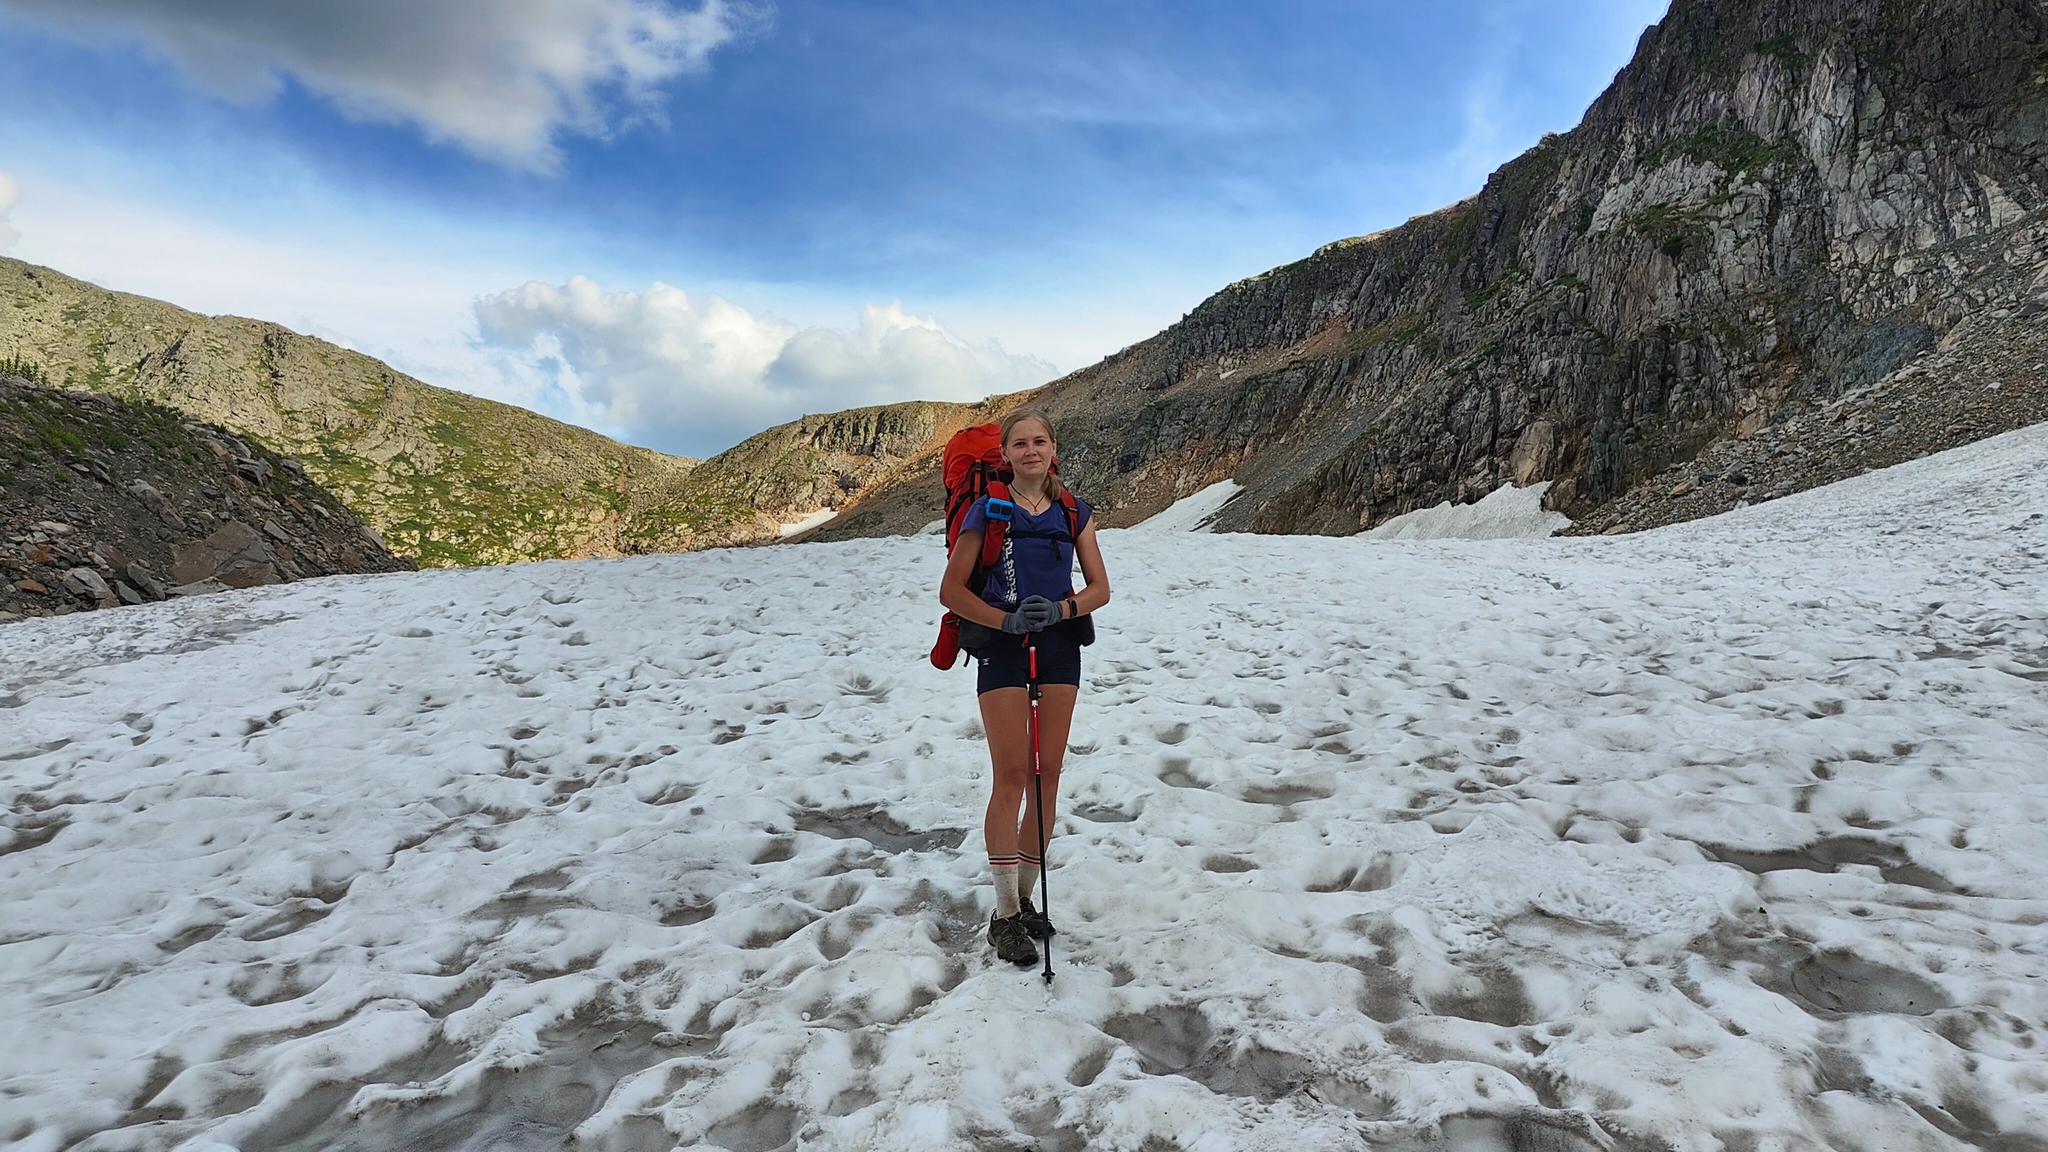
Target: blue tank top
(1030, 566)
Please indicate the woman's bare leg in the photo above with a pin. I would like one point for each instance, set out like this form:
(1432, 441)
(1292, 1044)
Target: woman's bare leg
(1006, 717)
(1055, 721)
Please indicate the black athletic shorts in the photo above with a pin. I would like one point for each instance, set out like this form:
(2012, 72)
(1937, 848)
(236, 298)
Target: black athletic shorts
(1005, 664)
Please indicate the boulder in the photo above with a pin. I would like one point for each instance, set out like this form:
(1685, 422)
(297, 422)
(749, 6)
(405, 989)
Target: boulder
(84, 583)
(127, 593)
(254, 471)
(155, 501)
(143, 578)
(204, 587)
(235, 555)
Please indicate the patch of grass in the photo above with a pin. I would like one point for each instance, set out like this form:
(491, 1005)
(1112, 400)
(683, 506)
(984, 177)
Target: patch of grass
(1672, 228)
(1782, 47)
(1731, 148)
(453, 435)
(1399, 329)
(63, 438)
(1508, 279)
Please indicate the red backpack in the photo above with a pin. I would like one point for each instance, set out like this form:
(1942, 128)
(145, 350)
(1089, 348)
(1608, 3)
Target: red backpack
(973, 468)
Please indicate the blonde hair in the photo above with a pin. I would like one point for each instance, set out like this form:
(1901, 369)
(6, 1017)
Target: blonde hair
(1053, 484)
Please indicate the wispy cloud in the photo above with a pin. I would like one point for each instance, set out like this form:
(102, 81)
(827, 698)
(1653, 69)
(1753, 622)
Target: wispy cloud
(695, 374)
(499, 78)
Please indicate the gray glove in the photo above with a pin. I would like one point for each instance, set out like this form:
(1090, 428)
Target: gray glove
(1040, 613)
(1017, 622)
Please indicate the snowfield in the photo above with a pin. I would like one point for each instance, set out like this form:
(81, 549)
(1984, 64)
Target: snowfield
(1732, 835)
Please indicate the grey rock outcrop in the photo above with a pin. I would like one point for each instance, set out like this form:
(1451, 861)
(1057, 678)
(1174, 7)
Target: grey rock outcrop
(104, 497)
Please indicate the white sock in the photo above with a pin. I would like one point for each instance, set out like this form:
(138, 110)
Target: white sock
(1006, 888)
(1027, 876)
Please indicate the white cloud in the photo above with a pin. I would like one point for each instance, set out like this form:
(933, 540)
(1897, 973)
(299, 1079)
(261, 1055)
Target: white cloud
(698, 374)
(498, 77)
(10, 195)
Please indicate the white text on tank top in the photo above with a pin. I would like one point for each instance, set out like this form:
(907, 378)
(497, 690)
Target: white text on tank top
(1008, 567)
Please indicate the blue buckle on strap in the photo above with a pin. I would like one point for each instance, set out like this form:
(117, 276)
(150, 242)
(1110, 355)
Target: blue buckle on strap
(1000, 509)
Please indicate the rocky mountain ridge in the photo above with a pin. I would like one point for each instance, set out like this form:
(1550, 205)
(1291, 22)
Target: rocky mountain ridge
(106, 502)
(776, 484)
(1776, 204)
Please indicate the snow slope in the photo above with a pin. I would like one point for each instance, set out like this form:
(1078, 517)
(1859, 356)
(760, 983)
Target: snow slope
(1726, 836)
(1191, 513)
(1505, 513)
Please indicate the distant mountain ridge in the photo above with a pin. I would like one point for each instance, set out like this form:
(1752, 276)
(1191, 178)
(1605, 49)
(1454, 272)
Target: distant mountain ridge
(1776, 203)
(451, 478)
(447, 477)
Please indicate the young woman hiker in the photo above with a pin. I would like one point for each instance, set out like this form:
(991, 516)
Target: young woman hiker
(1028, 600)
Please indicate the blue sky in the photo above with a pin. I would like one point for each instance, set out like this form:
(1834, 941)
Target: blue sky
(678, 224)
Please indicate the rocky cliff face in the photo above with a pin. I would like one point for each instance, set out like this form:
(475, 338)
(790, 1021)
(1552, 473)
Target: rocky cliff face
(1777, 203)
(450, 478)
(105, 502)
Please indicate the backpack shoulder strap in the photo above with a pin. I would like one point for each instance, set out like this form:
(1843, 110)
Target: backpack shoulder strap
(992, 536)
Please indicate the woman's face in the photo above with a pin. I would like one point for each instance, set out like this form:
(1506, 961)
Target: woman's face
(1029, 448)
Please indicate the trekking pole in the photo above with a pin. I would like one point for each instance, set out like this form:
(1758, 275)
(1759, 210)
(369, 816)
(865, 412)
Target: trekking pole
(1038, 800)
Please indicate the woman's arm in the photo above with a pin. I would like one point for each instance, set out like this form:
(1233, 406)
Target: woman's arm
(1096, 594)
(953, 592)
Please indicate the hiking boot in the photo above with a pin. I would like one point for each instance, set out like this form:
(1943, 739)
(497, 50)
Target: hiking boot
(1012, 942)
(1035, 922)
